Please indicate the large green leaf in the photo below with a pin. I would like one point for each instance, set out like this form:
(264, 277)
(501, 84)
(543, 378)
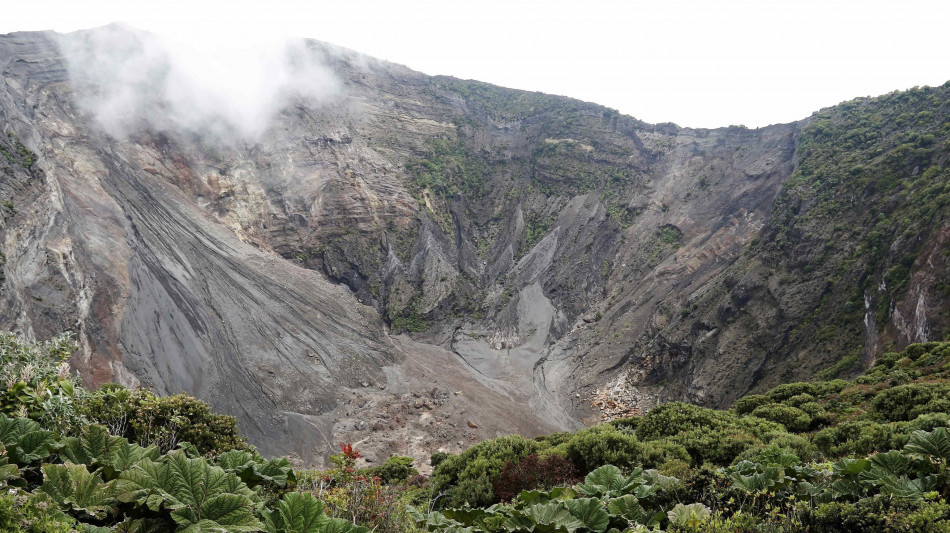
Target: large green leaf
(689, 516)
(339, 525)
(89, 448)
(296, 513)
(255, 470)
(466, 516)
(553, 515)
(25, 441)
(219, 513)
(99, 450)
(123, 455)
(198, 495)
(75, 488)
(7, 470)
(851, 467)
(151, 484)
(607, 480)
(933, 445)
(590, 511)
(629, 508)
(12, 428)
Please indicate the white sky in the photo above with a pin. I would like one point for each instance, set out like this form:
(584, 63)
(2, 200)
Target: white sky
(693, 62)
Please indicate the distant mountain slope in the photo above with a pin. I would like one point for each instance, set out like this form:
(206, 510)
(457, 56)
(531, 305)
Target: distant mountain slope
(537, 246)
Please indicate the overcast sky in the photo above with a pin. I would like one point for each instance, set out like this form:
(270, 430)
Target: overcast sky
(697, 63)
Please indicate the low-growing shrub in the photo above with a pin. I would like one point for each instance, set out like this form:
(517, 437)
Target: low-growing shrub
(747, 404)
(792, 418)
(898, 403)
(395, 470)
(859, 438)
(468, 477)
(788, 390)
(676, 417)
(716, 446)
(144, 417)
(602, 445)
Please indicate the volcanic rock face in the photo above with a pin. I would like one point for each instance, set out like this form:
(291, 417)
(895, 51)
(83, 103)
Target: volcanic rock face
(536, 248)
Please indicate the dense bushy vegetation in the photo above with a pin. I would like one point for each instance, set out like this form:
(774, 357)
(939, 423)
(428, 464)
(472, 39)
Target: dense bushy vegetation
(838, 455)
(67, 463)
(821, 456)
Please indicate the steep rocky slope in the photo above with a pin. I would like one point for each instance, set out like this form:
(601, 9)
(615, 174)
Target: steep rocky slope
(533, 247)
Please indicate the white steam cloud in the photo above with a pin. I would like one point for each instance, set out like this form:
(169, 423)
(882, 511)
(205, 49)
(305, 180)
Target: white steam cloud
(227, 90)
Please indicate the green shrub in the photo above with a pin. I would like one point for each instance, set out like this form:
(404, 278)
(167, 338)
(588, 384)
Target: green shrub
(832, 387)
(675, 417)
(747, 404)
(760, 427)
(143, 417)
(555, 439)
(800, 399)
(858, 438)
(819, 416)
(898, 403)
(396, 469)
(21, 512)
(929, 421)
(786, 391)
(936, 405)
(628, 425)
(603, 445)
(468, 477)
(437, 458)
(765, 454)
(656, 453)
(792, 418)
(799, 445)
(717, 446)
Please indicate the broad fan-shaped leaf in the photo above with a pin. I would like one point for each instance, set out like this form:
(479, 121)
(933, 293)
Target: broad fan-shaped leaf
(553, 514)
(198, 494)
(628, 508)
(12, 428)
(74, 488)
(25, 441)
(296, 513)
(658, 480)
(151, 484)
(123, 455)
(607, 480)
(465, 516)
(339, 525)
(89, 448)
(254, 469)
(7, 471)
(219, 513)
(435, 521)
(892, 462)
(930, 445)
(32, 447)
(590, 511)
(690, 516)
(851, 467)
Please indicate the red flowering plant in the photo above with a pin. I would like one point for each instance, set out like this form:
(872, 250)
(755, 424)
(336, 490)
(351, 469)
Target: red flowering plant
(356, 495)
